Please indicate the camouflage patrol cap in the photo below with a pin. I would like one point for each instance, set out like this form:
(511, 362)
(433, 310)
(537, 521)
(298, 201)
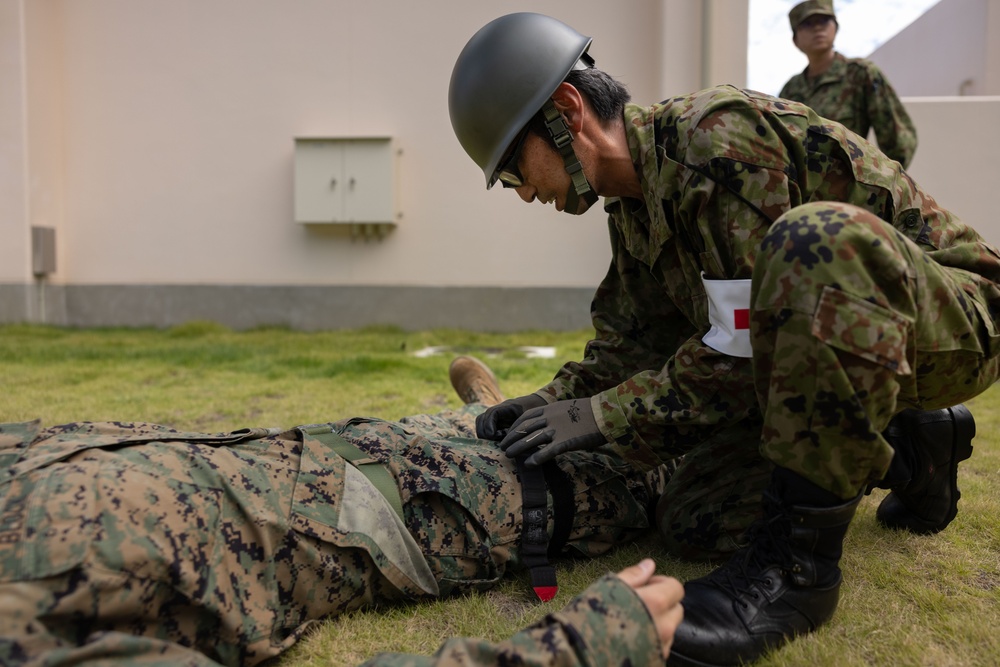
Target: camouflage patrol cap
(804, 10)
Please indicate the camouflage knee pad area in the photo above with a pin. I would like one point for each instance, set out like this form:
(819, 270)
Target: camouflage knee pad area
(714, 495)
(850, 322)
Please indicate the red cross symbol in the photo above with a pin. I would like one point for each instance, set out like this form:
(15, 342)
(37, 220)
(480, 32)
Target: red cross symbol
(741, 318)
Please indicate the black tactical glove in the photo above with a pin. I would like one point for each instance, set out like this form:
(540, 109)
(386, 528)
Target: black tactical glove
(493, 424)
(563, 426)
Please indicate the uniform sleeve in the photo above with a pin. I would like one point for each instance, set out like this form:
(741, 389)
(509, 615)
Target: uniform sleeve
(894, 130)
(662, 412)
(731, 185)
(634, 322)
(654, 386)
(662, 390)
(606, 625)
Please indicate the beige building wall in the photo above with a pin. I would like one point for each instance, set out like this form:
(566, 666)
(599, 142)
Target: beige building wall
(14, 247)
(946, 68)
(952, 49)
(157, 138)
(956, 157)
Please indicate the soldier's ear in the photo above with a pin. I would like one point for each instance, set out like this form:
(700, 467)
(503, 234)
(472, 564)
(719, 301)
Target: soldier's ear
(569, 102)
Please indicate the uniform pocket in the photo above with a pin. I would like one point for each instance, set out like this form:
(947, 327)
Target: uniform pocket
(47, 523)
(862, 328)
(335, 503)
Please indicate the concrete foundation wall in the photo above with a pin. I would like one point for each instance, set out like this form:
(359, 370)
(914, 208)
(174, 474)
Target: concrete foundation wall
(303, 307)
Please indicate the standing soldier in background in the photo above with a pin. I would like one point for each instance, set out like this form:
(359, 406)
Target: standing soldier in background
(851, 91)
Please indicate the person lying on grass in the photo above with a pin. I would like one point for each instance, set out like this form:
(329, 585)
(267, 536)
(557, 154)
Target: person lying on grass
(138, 543)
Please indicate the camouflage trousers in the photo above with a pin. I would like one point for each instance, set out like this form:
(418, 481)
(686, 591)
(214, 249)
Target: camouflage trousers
(137, 543)
(714, 494)
(852, 322)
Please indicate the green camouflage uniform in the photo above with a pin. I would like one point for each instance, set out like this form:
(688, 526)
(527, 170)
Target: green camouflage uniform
(142, 544)
(855, 93)
(859, 308)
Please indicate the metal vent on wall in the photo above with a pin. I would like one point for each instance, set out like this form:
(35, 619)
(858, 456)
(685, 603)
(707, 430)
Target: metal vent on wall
(43, 250)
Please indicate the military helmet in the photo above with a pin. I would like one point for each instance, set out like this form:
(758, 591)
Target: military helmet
(504, 75)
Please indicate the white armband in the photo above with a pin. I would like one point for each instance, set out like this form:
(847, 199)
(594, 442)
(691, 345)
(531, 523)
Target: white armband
(729, 315)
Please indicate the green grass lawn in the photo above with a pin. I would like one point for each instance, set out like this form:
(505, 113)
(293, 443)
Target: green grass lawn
(906, 600)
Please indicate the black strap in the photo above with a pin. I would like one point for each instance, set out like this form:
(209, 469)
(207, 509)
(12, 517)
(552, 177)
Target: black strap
(563, 507)
(534, 531)
(563, 139)
(536, 546)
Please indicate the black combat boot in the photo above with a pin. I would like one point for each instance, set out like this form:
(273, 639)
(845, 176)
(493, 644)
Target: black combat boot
(930, 445)
(784, 583)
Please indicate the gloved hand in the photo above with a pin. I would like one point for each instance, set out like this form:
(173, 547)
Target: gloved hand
(563, 426)
(493, 424)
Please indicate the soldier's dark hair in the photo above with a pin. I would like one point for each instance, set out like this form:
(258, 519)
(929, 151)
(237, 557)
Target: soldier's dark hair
(606, 95)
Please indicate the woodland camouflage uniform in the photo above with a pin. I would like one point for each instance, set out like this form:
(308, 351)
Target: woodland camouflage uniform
(855, 93)
(787, 314)
(137, 543)
(736, 185)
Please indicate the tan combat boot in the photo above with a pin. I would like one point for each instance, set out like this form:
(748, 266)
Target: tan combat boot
(474, 381)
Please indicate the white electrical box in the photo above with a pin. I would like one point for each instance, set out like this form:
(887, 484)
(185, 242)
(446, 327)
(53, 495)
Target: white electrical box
(344, 180)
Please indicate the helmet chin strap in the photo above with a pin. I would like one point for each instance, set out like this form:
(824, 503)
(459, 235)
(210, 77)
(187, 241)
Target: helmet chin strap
(579, 196)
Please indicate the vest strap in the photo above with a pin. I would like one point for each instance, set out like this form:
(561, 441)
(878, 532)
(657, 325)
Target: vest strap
(373, 469)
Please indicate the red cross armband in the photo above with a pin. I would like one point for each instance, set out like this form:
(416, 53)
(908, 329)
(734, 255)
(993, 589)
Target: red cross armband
(729, 315)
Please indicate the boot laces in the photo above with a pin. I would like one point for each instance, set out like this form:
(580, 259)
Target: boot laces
(768, 545)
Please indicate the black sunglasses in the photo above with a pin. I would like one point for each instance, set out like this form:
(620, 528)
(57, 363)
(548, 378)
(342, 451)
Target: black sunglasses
(507, 173)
